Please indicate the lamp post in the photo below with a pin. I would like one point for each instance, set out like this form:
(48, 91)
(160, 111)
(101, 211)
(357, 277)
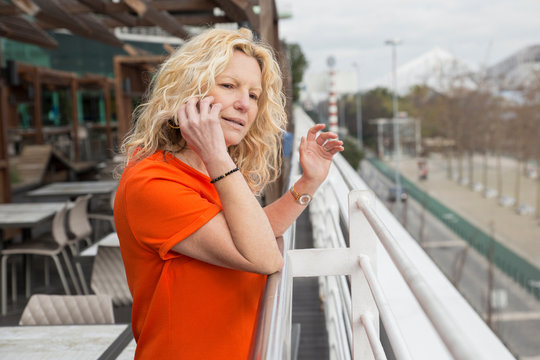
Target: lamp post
(358, 109)
(394, 43)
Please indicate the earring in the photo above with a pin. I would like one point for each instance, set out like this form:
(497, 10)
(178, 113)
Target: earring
(171, 125)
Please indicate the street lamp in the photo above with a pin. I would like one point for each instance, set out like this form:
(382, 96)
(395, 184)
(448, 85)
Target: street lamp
(394, 43)
(358, 109)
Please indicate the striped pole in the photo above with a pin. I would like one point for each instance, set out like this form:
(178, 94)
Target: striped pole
(332, 98)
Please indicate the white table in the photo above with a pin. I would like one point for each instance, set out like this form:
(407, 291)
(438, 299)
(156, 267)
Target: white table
(75, 188)
(60, 342)
(109, 240)
(25, 216)
(20, 215)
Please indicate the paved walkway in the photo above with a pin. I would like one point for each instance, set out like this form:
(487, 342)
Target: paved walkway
(306, 308)
(521, 233)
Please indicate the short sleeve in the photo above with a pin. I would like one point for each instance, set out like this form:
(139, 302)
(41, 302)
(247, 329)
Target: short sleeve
(163, 211)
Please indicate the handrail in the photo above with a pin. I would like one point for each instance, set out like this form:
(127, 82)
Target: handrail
(275, 314)
(455, 342)
(373, 336)
(387, 316)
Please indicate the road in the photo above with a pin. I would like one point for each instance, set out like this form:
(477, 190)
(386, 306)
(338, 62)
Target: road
(514, 315)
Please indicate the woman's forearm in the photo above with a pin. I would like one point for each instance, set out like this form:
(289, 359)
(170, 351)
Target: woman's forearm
(249, 227)
(285, 210)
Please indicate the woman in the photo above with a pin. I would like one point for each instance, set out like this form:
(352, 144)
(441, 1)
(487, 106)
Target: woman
(195, 241)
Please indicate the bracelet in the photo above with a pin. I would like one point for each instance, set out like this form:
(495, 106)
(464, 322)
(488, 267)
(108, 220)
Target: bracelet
(224, 175)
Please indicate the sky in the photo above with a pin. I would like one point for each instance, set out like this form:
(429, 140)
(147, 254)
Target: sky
(481, 32)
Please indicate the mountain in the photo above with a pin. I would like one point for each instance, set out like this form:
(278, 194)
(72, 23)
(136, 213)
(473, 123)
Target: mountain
(429, 69)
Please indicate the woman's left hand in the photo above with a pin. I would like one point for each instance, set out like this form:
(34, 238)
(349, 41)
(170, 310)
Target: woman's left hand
(316, 153)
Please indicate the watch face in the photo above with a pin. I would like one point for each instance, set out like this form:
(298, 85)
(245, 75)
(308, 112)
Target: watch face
(304, 199)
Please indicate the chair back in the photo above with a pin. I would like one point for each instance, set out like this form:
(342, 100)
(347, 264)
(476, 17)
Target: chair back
(59, 226)
(68, 310)
(78, 221)
(109, 276)
(112, 198)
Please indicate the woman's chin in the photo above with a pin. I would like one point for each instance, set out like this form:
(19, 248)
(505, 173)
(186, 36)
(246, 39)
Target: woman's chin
(233, 140)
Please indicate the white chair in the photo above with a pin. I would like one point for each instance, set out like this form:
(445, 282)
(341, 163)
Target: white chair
(104, 213)
(79, 226)
(109, 276)
(50, 245)
(80, 230)
(68, 310)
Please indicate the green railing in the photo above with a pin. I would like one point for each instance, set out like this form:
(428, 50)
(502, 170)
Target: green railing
(519, 269)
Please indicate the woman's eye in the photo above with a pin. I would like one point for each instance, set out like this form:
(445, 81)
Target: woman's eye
(227, 86)
(254, 96)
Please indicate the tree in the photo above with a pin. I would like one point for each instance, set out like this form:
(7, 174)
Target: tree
(298, 66)
(425, 103)
(376, 103)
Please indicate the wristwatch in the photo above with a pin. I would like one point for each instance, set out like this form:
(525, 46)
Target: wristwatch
(302, 199)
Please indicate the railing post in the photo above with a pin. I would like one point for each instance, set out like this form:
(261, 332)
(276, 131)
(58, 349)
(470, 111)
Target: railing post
(363, 241)
(331, 260)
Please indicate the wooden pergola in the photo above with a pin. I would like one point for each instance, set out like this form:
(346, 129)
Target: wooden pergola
(29, 20)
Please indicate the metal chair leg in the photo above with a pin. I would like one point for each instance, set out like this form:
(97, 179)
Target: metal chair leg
(4, 284)
(61, 274)
(82, 278)
(46, 269)
(28, 274)
(71, 272)
(13, 282)
(79, 270)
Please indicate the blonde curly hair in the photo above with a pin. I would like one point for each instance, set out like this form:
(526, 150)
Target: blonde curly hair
(191, 72)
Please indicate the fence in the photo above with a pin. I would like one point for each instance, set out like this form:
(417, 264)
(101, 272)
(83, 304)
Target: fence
(518, 268)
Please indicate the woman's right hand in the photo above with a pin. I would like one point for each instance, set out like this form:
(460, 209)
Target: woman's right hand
(240, 236)
(201, 127)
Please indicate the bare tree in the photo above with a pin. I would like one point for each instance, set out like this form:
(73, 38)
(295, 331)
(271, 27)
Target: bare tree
(529, 112)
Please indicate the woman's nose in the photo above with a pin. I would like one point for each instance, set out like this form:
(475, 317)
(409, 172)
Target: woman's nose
(242, 103)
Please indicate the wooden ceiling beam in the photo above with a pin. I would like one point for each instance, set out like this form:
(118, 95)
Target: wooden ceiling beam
(135, 51)
(93, 81)
(74, 7)
(9, 10)
(239, 11)
(99, 31)
(140, 60)
(199, 19)
(103, 34)
(78, 16)
(234, 9)
(183, 6)
(160, 18)
(168, 48)
(185, 19)
(170, 5)
(47, 76)
(20, 29)
(99, 6)
(50, 12)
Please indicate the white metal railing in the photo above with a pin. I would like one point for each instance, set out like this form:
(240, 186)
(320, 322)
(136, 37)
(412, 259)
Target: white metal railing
(273, 337)
(423, 316)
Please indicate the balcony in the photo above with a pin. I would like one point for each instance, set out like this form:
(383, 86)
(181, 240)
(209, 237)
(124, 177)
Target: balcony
(383, 297)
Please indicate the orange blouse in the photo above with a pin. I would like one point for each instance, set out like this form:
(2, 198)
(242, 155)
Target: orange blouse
(183, 308)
